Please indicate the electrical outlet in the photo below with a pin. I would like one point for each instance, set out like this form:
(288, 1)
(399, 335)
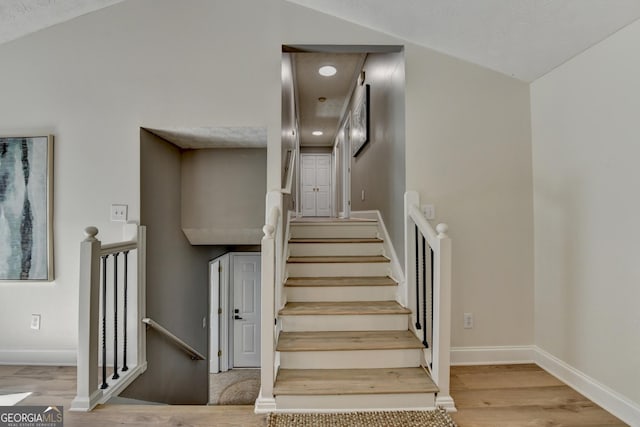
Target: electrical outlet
(119, 213)
(468, 321)
(429, 211)
(35, 322)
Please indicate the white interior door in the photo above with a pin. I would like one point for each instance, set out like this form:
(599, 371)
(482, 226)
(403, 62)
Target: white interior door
(316, 184)
(308, 185)
(246, 311)
(214, 317)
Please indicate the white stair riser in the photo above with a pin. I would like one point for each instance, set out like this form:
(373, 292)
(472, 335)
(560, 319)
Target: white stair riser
(334, 230)
(330, 269)
(353, 359)
(362, 322)
(349, 402)
(340, 293)
(335, 249)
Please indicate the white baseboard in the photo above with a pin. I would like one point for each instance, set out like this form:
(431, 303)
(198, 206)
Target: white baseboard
(38, 357)
(501, 355)
(612, 401)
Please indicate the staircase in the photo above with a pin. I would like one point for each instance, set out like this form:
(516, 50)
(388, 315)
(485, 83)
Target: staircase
(345, 342)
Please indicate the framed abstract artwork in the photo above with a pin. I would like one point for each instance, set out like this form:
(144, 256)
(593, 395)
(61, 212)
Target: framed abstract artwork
(26, 208)
(360, 122)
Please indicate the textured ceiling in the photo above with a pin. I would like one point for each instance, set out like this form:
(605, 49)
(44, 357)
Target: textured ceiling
(524, 39)
(22, 17)
(214, 137)
(521, 38)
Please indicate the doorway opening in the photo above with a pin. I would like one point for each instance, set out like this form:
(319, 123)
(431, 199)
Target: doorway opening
(234, 374)
(355, 116)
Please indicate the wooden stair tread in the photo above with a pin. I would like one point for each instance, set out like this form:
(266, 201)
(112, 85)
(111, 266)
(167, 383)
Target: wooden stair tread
(336, 259)
(342, 308)
(335, 240)
(353, 381)
(331, 221)
(347, 340)
(340, 281)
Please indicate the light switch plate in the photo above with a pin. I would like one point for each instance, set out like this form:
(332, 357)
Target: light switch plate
(35, 321)
(119, 213)
(429, 211)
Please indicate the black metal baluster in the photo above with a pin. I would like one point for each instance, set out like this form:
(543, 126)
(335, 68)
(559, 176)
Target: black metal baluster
(126, 282)
(431, 250)
(424, 291)
(115, 316)
(418, 326)
(104, 322)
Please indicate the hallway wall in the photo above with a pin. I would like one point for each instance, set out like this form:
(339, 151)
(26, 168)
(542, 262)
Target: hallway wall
(379, 168)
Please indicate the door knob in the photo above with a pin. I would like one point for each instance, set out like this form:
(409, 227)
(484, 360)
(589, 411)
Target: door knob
(237, 317)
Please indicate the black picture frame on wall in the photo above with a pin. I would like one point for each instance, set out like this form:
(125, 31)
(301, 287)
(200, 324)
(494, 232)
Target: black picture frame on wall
(360, 122)
(26, 204)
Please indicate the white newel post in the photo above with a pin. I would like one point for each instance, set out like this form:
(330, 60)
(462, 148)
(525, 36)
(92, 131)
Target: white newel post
(442, 312)
(88, 393)
(411, 198)
(266, 402)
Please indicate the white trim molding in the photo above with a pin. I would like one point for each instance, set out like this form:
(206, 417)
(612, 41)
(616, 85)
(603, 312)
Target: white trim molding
(612, 401)
(39, 357)
(500, 355)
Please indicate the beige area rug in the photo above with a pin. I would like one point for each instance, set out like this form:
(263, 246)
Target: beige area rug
(234, 387)
(436, 418)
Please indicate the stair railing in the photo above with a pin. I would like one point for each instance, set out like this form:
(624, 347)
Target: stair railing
(192, 352)
(111, 304)
(428, 291)
(272, 264)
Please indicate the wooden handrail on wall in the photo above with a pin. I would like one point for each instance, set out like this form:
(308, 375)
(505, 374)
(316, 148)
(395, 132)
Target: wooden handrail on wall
(195, 354)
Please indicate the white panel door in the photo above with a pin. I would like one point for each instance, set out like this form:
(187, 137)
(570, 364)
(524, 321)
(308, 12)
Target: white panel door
(316, 184)
(246, 323)
(323, 185)
(308, 185)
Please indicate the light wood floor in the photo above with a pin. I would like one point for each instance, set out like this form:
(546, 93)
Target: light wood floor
(486, 396)
(519, 396)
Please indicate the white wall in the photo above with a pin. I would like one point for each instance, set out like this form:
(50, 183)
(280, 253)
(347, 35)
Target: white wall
(93, 82)
(96, 80)
(468, 152)
(586, 146)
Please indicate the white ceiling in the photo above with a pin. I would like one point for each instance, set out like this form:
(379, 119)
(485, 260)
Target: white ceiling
(310, 86)
(214, 137)
(21, 17)
(524, 39)
(521, 38)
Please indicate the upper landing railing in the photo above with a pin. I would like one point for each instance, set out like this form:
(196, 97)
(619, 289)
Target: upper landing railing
(111, 338)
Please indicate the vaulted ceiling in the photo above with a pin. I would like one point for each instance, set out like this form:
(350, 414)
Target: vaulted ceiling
(521, 38)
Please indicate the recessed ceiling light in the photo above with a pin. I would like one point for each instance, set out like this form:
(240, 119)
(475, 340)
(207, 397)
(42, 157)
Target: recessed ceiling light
(322, 99)
(316, 132)
(327, 70)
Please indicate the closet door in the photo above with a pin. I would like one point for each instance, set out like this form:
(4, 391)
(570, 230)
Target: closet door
(316, 184)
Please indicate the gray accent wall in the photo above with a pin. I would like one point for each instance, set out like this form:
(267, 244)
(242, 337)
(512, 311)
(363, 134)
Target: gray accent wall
(223, 195)
(177, 282)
